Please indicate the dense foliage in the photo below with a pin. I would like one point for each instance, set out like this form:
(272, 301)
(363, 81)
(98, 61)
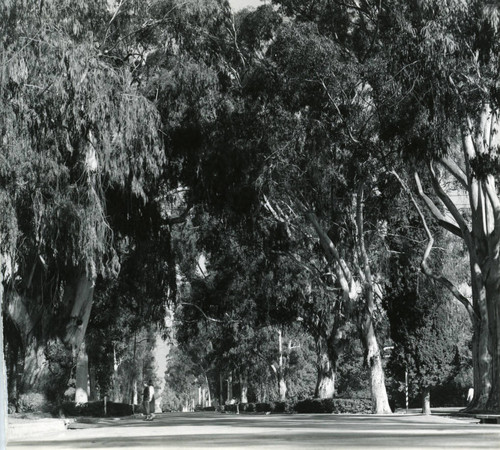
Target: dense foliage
(252, 188)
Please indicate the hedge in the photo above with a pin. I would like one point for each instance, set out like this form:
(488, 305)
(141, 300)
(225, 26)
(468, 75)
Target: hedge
(273, 407)
(335, 406)
(96, 409)
(312, 405)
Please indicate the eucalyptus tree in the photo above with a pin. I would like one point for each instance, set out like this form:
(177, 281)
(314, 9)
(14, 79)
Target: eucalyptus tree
(272, 109)
(315, 118)
(442, 70)
(74, 128)
(240, 305)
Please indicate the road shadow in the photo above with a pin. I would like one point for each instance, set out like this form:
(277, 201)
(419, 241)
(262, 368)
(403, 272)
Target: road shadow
(333, 439)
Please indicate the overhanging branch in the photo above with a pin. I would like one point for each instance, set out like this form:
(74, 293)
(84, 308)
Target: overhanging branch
(344, 275)
(489, 187)
(438, 215)
(430, 244)
(445, 198)
(455, 170)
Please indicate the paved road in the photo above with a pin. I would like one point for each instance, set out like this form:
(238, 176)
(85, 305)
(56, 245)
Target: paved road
(305, 431)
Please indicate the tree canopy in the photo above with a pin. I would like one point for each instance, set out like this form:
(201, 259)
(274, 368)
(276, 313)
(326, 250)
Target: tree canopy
(282, 193)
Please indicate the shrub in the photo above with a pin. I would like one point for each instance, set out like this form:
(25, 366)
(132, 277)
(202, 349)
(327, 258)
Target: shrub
(96, 409)
(247, 407)
(335, 405)
(281, 407)
(262, 407)
(119, 409)
(33, 402)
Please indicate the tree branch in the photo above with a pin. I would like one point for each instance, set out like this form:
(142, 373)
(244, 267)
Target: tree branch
(365, 265)
(343, 273)
(424, 265)
(439, 216)
(455, 170)
(489, 186)
(452, 208)
(180, 218)
(201, 311)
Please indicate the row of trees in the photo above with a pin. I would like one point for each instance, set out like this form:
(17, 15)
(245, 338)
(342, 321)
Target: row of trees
(292, 146)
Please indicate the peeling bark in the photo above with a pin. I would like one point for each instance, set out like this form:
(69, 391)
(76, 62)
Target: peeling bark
(282, 388)
(327, 363)
(82, 376)
(243, 388)
(325, 386)
(36, 374)
(351, 294)
(380, 401)
(43, 335)
(426, 400)
(78, 295)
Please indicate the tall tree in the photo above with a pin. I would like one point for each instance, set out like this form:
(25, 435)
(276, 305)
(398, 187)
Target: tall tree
(74, 128)
(443, 71)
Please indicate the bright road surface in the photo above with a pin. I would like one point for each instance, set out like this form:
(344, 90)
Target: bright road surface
(304, 431)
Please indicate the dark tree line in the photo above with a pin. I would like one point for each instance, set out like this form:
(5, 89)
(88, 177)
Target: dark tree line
(315, 154)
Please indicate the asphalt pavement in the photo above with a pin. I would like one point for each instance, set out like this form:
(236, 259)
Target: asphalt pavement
(245, 431)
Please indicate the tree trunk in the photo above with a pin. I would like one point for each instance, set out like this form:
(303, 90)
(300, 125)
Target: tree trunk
(229, 387)
(282, 388)
(426, 400)
(78, 296)
(208, 391)
(12, 376)
(380, 402)
(221, 390)
(325, 386)
(93, 383)
(243, 388)
(82, 376)
(36, 373)
(3, 372)
(493, 302)
(31, 319)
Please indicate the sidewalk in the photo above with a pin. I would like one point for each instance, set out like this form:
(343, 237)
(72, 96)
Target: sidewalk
(24, 428)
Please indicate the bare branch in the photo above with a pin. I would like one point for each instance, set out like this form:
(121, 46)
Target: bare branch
(202, 312)
(439, 216)
(334, 103)
(452, 208)
(343, 273)
(424, 265)
(363, 255)
(455, 170)
(269, 207)
(489, 186)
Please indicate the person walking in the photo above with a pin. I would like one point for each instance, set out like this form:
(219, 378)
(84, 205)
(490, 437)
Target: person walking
(146, 401)
(152, 406)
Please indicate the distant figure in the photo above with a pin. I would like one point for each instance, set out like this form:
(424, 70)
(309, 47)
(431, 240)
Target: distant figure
(145, 400)
(151, 400)
(470, 395)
